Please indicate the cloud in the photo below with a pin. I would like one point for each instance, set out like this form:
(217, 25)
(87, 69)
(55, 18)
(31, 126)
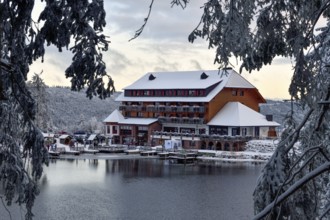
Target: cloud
(196, 64)
(165, 23)
(117, 62)
(163, 46)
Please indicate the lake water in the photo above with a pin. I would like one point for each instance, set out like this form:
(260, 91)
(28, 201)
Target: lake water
(144, 189)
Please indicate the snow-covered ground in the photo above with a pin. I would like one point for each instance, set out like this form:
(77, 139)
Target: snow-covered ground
(256, 151)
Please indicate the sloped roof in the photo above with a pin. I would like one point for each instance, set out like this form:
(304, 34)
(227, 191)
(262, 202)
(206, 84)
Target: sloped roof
(115, 116)
(186, 80)
(237, 114)
(92, 137)
(174, 80)
(138, 121)
(235, 80)
(64, 136)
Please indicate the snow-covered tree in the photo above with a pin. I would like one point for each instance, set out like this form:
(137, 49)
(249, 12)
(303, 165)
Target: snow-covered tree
(37, 87)
(63, 23)
(295, 182)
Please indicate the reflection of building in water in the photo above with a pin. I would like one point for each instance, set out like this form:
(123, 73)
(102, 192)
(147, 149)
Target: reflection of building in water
(135, 167)
(200, 109)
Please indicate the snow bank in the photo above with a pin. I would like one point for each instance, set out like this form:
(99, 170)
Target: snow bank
(256, 151)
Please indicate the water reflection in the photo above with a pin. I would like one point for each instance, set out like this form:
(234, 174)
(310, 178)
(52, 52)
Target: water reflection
(144, 189)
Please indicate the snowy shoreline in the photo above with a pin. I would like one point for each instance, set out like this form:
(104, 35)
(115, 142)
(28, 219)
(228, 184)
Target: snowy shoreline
(256, 151)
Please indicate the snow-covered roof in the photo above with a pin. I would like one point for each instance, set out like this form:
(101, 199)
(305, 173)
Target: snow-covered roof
(115, 116)
(237, 114)
(92, 137)
(48, 135)
(63, 136)
(138, 121)
(186, 80)
(235, 80)
(173, 80)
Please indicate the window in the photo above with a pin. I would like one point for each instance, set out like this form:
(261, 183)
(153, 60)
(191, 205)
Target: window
(235, 131)
(234, 92)
(142, 128)
(187, 130)
(126, 130)
(219, 130)
(241, 93)
(108, 129)
(244, 131)
(114, 130)
(202, 131)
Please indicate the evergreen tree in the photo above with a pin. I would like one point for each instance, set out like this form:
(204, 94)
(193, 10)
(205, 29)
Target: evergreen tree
(37, 87)
(295, 182)
(22, 41)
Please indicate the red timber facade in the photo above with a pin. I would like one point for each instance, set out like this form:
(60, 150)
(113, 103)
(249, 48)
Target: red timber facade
(186, 106)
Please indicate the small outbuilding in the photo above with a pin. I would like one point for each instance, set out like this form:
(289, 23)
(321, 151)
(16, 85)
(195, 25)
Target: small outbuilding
(65, 139)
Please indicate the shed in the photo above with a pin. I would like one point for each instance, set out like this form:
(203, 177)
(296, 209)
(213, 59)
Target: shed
(65, 139)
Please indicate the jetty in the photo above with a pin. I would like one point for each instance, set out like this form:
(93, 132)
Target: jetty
(183, 157)
(163, 155)
(148, 153)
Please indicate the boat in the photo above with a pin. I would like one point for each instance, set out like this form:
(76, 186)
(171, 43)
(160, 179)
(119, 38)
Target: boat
(54, 153)
(90, 151)
(72, 152)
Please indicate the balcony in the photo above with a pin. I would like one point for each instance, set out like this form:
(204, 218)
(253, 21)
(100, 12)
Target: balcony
(191, 136)
(151, 108)
(178, 120)
(163, 108)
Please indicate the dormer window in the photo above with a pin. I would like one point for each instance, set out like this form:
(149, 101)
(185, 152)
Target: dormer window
(152, 77)
(204, 76)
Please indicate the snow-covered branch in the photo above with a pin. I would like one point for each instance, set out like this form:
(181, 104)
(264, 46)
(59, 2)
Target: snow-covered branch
(292, 189)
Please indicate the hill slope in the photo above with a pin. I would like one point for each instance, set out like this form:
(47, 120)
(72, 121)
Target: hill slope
(69, 110)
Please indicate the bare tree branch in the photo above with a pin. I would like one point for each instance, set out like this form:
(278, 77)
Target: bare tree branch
(140, 30)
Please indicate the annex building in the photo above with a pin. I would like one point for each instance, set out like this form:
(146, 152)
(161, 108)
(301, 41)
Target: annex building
(197, 109)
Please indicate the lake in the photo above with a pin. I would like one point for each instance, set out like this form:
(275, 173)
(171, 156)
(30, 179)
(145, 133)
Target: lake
(144, 189)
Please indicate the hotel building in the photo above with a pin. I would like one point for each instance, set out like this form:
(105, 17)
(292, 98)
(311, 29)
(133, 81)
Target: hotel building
(202, 109)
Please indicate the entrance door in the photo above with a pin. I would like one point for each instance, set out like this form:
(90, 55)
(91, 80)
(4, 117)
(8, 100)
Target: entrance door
(256, 131)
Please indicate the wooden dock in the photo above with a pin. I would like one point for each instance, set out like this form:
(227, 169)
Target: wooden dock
(111, 150)
(132, 151)
(183, 158)
(164, 155)
(89, 151)
(148, 153)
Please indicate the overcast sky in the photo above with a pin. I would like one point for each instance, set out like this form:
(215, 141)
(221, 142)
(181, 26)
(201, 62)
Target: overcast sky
(163, 46)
